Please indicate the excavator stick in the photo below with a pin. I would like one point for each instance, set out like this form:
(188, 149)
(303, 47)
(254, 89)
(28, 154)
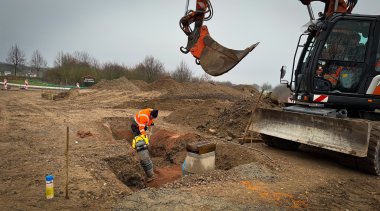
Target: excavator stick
(341, 135)
(214, 58)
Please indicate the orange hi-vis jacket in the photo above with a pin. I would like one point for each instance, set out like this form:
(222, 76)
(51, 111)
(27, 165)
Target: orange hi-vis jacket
(333, 78)
(143, 119)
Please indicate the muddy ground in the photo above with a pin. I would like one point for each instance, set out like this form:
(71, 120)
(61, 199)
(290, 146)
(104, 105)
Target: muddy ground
(104, 172)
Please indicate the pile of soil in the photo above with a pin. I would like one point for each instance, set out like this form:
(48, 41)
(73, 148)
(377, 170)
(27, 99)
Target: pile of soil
(168, 152)
(116, 84)
(198, 113)
(142, 85)
(167, 84)
(170, 146)
(201, 90)
(226, 120)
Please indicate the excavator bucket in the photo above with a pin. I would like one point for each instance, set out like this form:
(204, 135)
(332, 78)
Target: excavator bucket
(341, 135)
(217, 59)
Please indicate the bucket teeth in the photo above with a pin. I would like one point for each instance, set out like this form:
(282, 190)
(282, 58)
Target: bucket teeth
(217, 59)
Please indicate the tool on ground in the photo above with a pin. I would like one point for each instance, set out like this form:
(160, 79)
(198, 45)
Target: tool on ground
(49, 179)
(67, 163)
(140, 143)
(252, 114)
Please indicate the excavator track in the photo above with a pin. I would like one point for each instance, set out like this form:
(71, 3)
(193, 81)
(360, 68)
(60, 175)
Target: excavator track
(371, 163)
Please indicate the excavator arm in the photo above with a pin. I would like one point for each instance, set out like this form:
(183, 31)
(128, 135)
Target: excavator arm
(214, 58)
(331, 6)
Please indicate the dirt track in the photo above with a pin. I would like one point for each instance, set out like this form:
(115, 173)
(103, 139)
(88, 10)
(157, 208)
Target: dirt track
(104, 172)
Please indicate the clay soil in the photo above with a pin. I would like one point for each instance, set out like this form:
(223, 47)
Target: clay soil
(104, 172)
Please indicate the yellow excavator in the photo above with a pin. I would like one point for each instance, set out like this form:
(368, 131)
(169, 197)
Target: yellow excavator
(334, 83)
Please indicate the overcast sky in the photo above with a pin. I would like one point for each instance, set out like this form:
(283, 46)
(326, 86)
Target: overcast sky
(126, 31)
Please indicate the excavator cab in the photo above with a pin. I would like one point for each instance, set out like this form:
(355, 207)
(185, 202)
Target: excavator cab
(214, 58)
(337, 65)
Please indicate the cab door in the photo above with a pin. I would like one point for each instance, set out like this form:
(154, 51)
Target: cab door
(342, 67)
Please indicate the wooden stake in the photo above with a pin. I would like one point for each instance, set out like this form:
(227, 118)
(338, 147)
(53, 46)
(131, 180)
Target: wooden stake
(253, 112)
(67, 163)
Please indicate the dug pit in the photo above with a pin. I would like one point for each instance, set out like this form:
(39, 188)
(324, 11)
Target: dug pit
(168, 151)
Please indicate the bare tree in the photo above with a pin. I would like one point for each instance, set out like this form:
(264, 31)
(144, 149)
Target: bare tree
(64, 59)
(37, 62)
(182, 73)
(256, 86)
(266, 86)
(152, 68)
(82, 57)
(205, 77)
(58, 62)
(113, 70)
(63, 63)
(85, 58)
(15, 57)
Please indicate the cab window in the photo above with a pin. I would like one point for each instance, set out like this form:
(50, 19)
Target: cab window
(341, 63)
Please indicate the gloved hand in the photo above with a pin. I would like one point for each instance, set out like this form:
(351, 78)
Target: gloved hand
(152, 124)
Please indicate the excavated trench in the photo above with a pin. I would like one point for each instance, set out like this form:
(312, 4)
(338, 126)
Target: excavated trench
(167, 151)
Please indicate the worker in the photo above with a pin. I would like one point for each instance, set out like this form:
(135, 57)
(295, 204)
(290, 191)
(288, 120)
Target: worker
(319, 71)
(26, 84)
(77, 85)
(142, 120)
(5, 84)
(333, 75)
(140, 143)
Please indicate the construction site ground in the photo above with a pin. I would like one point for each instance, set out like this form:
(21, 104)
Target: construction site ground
(104, 171)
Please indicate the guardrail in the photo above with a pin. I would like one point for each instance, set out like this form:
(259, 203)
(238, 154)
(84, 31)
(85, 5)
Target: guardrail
(37, 87)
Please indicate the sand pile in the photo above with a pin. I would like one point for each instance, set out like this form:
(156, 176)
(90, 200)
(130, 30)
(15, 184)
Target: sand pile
(225, 119)
(142, 85)
(201, 90)
(117, 84)
(167, 84)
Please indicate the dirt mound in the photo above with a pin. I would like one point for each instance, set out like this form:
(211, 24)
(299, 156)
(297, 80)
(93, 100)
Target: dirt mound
(227, 120)
(233, 163)
(167, 84)
(198, 90)
(246, 88)
(142, 85)
(198, 112)
(116, 84)
(171, 146)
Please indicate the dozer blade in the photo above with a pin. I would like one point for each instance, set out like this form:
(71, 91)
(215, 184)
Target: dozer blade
(341, 135)
(217, 59)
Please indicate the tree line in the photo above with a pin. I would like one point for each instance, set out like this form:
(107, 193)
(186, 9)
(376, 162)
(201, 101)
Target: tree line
(69, 68)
